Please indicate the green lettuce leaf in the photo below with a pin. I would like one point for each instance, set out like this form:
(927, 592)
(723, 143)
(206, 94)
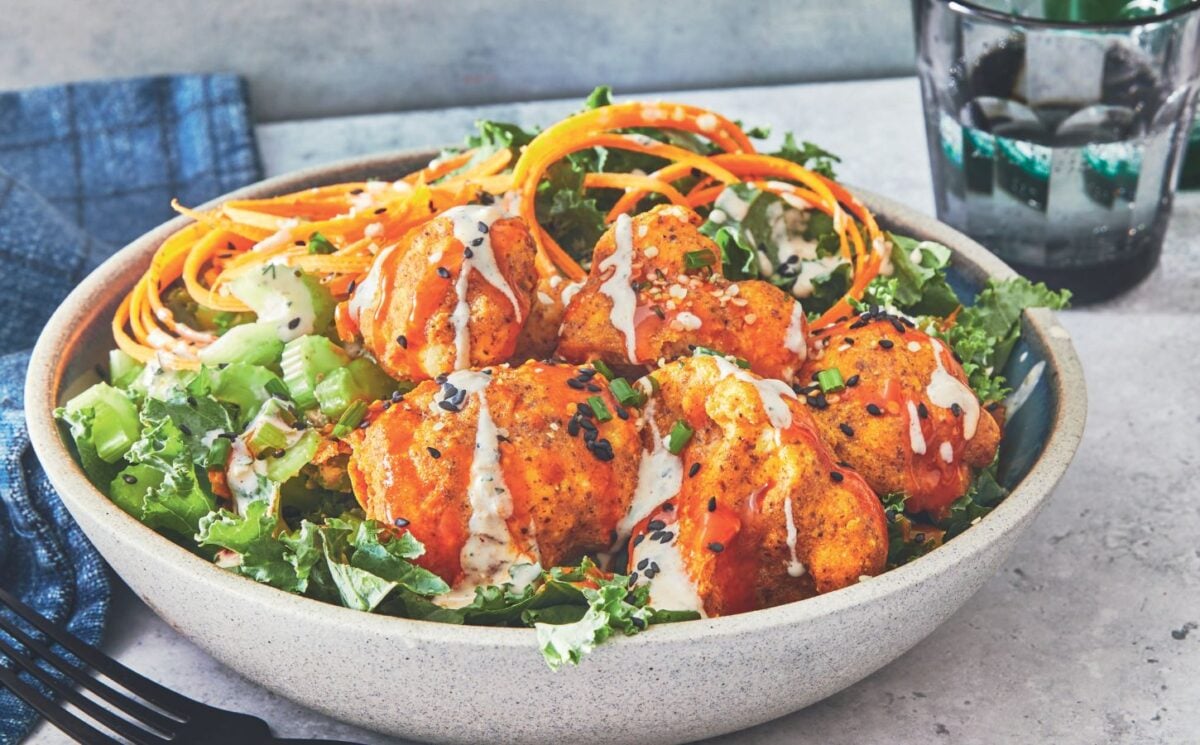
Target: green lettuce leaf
(267, 554)
(985, 333)
(917, 285)
(175, 498)
(811, 156)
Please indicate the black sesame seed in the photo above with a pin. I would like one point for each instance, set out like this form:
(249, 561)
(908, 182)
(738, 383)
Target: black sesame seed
(402, 340)
(486, 198)
(851, 381)
(468, 253)
(655, 525)
(400, 522)
(633, 578)
(477, 242)
(886, 343)
(712, 504)
(622, 413)
(638, 622)
(573, 427)
(592, 388)
(874, 410)
(129, 479)
(232, 436)
(695, 469)
(356, 191)
(443, 272)
(639, 538)
(955, 409)
(668, 507)
(846, 429)
(483, 228)
(434, 452)
(396, 396)
(817, 401)
(861, 323)
(186, 430)
(716, 547)
(897, 325)
(294, 323)
(643, 564)
(844, 464)
(589, 438)
(922, 410)
(584, 409)
(837, 476)
(447, 406)
(587, 424)
(848, 340)
(191, 401)
(381, 210)
(666, 537)
(352, 285)
(603, 450)
(576, 384)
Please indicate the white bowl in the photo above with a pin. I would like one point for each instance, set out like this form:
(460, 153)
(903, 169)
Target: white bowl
(458, 684)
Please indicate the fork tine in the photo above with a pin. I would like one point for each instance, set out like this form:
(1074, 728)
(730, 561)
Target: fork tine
(54, 713)
(164, 698)
(117, 724)
(134, 708)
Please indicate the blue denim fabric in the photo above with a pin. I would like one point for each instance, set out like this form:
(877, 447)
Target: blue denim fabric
(84, 168)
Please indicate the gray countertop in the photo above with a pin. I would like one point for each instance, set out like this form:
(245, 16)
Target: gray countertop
(1088, 633)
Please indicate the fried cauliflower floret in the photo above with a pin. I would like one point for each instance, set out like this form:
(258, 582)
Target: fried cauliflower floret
(450, 295)
(643, 302)
(493, 469)
(907, 420)
(756, 510)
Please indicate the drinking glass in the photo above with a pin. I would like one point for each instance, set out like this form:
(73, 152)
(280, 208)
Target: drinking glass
(1057, 128)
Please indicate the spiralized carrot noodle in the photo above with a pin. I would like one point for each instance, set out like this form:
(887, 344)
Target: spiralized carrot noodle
(359, 219)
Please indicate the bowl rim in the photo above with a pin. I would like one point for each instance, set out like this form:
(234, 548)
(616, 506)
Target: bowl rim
(61, 336)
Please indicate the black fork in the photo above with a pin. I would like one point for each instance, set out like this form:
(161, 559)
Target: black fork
(157, 714)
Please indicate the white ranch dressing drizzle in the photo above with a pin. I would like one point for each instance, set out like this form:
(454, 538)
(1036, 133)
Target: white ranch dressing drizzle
(244, 472)
(489, 553)
(916, 439)
(660, 476)
(945, 390)
(466, 221)
(946, 451)
(793, 340)
(672, 587)
(794, 568)
(618, 287)
(770, 392)
(1025, 390)
(364, 294)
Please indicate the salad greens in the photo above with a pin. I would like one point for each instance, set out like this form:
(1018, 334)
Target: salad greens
(256, 428)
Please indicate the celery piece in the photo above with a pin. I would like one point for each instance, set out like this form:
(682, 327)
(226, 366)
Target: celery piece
(252, 344)
(306, 362)
(283, 467)
(115, 424)
(361, 380)
(123, 369)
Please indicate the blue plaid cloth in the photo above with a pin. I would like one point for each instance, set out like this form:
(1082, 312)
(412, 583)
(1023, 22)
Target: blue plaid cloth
(85, 168)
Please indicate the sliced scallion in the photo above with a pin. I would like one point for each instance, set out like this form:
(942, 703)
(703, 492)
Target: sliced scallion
(680, 435)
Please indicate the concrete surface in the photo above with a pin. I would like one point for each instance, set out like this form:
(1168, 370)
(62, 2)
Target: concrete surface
(1088, 634)
(308, 58)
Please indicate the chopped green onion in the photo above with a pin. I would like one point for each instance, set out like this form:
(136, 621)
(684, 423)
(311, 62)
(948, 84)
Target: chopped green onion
(714, 353)
(276, 388)
(680, 435)
(830, 380)
(599, 409)
(350, 418)
(267, 436)
(604, 369)
(217, 453)
(699, 259)
(625, 393)
(319, 244)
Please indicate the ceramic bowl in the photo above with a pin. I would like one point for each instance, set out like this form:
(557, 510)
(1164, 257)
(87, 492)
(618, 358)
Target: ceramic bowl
(448, 683)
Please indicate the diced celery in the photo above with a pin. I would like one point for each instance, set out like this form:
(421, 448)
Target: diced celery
(293, 302)
(123, 369)
(244, 386)
(351, 418)
(306, 362)
(267, 436)
(251, 344)
(361, 380)
(115, 424)
(294, 458)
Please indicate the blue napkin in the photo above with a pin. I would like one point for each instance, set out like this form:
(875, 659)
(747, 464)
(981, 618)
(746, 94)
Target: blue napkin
(85, 168)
